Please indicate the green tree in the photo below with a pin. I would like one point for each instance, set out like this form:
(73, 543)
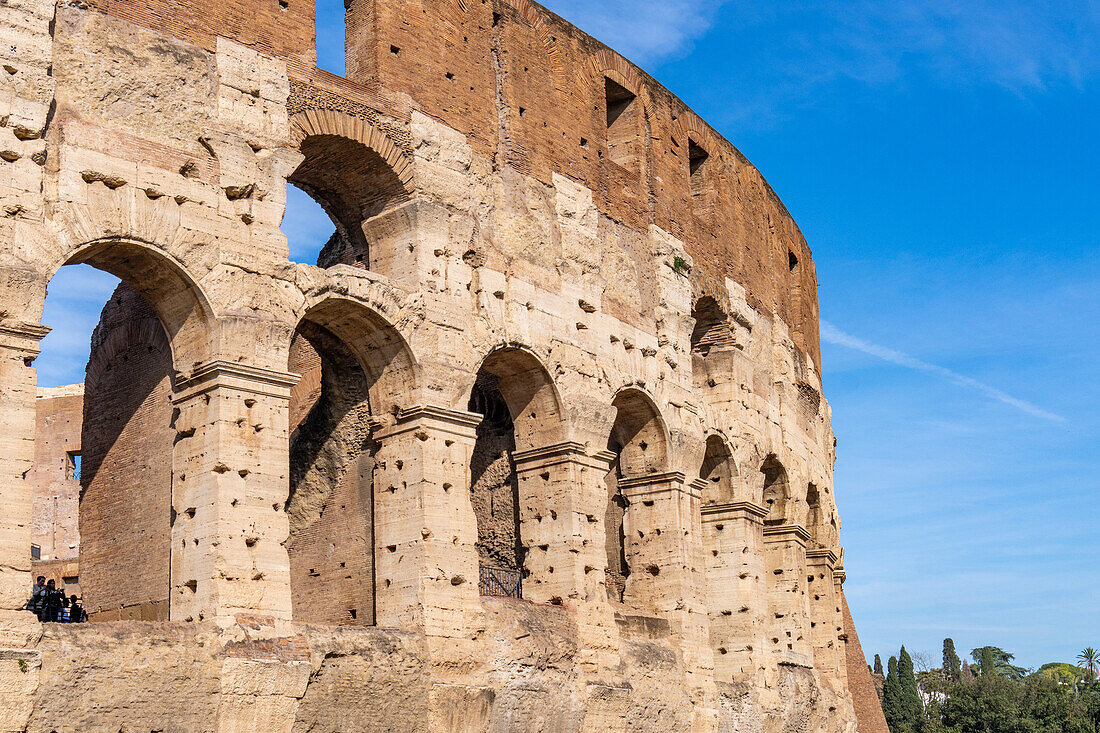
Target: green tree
(1090, 660)
(986, 663)
(878, 664)
(951, 664)
(1002, 662)
(891, 697)
(912, 709)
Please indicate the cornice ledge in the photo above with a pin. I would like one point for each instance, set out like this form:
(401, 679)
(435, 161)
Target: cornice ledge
(218, 373)
(778, 532)
(746, 509)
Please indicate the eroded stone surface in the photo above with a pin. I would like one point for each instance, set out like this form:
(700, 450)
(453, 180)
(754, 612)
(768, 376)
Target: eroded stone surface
(512, 200)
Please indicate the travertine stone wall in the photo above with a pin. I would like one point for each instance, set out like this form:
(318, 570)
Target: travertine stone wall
(510, 198)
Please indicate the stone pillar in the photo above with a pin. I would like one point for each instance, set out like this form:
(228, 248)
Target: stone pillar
(18, 387)
(664, 551)
(737, 598)
(824, 619)
(426, 567)
(788, 602)
(563, 499)
(229, 491)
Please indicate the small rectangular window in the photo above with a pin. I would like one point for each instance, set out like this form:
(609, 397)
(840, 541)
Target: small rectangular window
(74, 465)
(623, 125)
(697, 167)
(36, 552)
(792, 260)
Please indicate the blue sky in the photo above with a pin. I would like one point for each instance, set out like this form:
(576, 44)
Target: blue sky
(941, 158)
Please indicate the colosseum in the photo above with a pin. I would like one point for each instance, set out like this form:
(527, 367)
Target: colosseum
(539, 443)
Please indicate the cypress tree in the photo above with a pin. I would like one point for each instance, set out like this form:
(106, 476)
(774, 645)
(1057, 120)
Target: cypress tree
(951, 664)
(912, 709)
(891, 697)
(878, 664)
(988, 666)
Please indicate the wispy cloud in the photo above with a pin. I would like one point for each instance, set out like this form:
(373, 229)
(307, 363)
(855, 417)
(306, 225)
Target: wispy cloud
(833, 335)
(780, 56)
(645, 31)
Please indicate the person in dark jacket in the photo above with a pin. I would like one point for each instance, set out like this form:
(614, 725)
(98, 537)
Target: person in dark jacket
(77, 615)
(37, 603)
(54, 601)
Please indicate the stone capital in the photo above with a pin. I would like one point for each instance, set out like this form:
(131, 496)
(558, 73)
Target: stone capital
(23, 337)
(823, 556)
(565, 452)
(221, 374)
(787, 533)
(649, 485)
(732, 511)
(459, 423)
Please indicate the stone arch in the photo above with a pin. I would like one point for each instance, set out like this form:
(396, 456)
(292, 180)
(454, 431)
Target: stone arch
(355, 171)
(639, 442)
(391, 369)
(157, 326)
(356, 372)
(535, 15)
(521, 416)
(719, 470)
(777, 491)
(165, 284)
(639, 435)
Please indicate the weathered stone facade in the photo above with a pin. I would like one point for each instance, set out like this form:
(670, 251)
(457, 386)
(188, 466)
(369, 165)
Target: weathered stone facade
(563, 329)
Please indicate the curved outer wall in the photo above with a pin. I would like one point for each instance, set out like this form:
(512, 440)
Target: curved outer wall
(511, 198)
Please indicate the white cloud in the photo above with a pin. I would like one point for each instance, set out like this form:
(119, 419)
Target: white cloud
(644, 31)
(833, 335)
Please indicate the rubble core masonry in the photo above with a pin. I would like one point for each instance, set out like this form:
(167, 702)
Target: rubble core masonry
(539, 443)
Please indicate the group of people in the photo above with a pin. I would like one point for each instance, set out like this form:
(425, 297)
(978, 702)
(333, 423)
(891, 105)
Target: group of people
(50, 604)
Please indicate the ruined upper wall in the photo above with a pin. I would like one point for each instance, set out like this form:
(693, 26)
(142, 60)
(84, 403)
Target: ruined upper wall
(530, 91)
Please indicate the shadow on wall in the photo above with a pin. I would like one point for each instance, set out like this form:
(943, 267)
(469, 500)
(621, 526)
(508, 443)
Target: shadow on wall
(126, 482)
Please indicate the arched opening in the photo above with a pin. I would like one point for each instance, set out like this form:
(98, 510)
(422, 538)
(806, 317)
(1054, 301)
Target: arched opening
(777, 491)
(719, 471)
(712, 327)
(351, 183)
(307, 226)
(520, 412)
(353, 367)
(639, 443)
(102, 477)
(815, 519)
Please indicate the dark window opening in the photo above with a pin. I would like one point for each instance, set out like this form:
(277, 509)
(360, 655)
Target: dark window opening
(792, 260)
(623, 125)
(697, 158)
(36, 552)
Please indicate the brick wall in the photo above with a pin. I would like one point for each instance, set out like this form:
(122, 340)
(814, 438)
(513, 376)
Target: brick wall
(860, 683)
(530, 90)
(127, 437)
(56, 488)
